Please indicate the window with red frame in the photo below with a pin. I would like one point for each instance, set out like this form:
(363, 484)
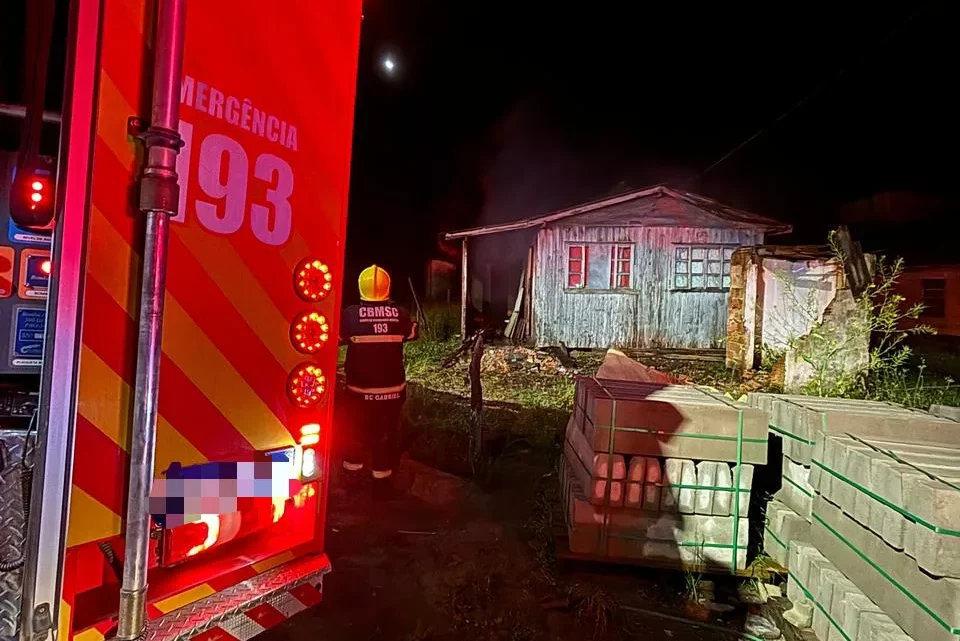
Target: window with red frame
(577, 256)
(621, 262)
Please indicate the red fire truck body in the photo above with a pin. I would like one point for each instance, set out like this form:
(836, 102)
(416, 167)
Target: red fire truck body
(249, 350)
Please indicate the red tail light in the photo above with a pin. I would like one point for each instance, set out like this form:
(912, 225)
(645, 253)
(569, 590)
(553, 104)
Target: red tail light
(31, 200)
(306, 385)
(313, 280)
(309, 332)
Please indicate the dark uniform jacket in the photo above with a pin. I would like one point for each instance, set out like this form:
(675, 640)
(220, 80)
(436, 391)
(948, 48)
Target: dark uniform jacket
(375, 333)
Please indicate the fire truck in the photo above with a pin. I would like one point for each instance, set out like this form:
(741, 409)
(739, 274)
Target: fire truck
(170, 286)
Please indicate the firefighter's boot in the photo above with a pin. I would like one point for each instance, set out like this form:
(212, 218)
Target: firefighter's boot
(385, 487)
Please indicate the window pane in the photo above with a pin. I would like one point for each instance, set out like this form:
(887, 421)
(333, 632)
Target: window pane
(713, 282)
(681, 267)
(713, 267)
(726, 268)
(624, 267)
(598, 272)
(696, 282)
(714, 253)
(680, 281)
(696, 267)
(624, 252)
(726, 282)
(574, 280)
(698, 253)
(576, 252)
(624, 280)
(575, 267)
(727, 253)
(682, 253)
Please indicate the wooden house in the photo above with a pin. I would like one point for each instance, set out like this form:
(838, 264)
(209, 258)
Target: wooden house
(648, 268)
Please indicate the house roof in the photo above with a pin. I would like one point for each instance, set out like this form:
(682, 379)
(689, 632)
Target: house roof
(651, 207)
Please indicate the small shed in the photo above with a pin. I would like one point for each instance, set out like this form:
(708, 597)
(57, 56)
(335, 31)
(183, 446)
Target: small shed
(649, 268)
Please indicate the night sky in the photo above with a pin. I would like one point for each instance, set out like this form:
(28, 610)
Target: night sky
(502, 110)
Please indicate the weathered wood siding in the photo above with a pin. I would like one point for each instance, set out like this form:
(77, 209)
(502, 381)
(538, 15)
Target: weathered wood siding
(649, 314)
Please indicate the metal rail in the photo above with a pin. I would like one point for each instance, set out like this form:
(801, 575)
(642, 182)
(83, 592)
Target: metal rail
(159, 198)
(19, 111)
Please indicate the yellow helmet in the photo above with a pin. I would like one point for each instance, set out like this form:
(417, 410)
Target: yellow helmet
(374, 284)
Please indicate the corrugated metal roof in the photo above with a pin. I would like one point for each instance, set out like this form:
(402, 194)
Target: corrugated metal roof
(654, 206)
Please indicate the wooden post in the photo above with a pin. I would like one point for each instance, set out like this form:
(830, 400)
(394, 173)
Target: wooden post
(421, 317)
(854, 262)
(476, 406)
(464, 288)
(528, 297)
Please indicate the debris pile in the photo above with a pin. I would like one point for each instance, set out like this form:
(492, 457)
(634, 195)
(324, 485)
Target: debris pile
(505, 359)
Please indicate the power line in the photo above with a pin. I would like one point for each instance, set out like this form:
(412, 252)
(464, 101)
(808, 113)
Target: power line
(810, 96)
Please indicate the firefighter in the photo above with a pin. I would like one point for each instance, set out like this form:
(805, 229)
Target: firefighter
(375, 332)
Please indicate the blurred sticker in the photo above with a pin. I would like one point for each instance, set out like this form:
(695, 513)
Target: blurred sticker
(29, 324)
(34, 274)
(20, 235)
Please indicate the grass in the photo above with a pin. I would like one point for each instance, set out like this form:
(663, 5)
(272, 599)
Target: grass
(914, 387)
(518, 403)
(530, 389)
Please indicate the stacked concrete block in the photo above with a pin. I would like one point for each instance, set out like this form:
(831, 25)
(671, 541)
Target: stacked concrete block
(652, 536)
(905, 493)
(603, 476)
(926, 607)
(824, 452)
(808, 416)
(841, 611)
(782, 529)
(885, 482)
(946, 411)
(669, 421)
(629, 453)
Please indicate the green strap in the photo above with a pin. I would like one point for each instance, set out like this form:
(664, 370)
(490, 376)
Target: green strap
(796, 485)
(709, 437)
(809, 596)
(946, 626)
(776, 538)
(783, 432)
(896, 458)
(736, 484)
(896, 508)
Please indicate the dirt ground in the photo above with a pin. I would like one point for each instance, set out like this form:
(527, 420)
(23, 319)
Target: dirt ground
(449, 559)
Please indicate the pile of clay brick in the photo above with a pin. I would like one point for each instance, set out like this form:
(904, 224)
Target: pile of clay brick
(868, 520)
(660, 474)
